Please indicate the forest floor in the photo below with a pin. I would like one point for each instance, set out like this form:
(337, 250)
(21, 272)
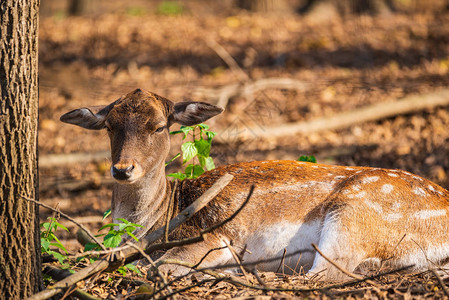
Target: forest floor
(339, 65)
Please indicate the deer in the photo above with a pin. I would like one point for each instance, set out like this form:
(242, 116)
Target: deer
(353, 214)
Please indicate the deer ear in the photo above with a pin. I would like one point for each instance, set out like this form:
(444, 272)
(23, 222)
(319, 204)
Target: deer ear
(92, 117)
(192, 113)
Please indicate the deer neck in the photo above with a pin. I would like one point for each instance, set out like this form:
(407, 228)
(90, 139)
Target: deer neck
(143, 202)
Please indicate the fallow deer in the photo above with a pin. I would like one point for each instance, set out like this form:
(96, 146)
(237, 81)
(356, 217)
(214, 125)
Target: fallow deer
(353, 214)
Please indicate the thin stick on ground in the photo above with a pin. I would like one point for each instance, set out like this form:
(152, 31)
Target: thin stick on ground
(282, 262)
(68, 218)
(441, 283)
(105, 262)
(237, 260)
(169, 210)
(159, 273)
(341, 269)
(228, 59)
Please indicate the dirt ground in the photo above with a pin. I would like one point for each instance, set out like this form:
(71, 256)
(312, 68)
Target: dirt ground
(346, 63)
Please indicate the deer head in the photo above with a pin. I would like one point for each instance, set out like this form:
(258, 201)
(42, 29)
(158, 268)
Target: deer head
(137, 126)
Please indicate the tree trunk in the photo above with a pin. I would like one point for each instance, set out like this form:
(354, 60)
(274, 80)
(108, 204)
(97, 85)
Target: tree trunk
(20, 264)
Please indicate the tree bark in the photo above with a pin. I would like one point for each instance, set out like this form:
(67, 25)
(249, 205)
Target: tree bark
(20, 259)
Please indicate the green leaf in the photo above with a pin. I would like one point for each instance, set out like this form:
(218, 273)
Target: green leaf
(307, 158)
(122, 271)
(210, 135)
(110, 225)
(112, 241)
(91, 246)
(193, 171)
(61, 226)
(178, 175)
(133, 236)
(60, 257)
(203, 147)
(107, 214)
(210, 163)
(189, 151)
(123, 220)
(186, 130)
(58, 243)
(133, 268)
(45, 245)
(203, 126)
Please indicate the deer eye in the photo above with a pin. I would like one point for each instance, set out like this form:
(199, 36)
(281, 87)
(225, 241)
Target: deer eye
(160, 129)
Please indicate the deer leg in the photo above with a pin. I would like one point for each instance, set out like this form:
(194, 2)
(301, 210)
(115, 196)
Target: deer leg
(336, 244)
(208, 253)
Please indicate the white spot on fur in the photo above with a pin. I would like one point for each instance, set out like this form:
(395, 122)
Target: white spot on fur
(417, 178)
(315, 167)
(429, 213)
(356, 187)
(387, 188)
(396, 205)
(391, 217)
(393, 175)
(375, 206)
(440, 192)
(339, 177)
(361, 194)
(349, 169)
(431, 188)
(370, 179)
(419, 191)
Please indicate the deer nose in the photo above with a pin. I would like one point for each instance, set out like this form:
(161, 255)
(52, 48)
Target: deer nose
(122, 173)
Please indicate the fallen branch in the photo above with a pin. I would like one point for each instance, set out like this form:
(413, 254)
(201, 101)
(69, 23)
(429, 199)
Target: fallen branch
(59, 274)
(53, 160)
(373, 112)
(106, 262)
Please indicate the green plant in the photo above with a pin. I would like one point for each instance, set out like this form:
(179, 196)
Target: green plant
(197, 149)
(49, 239)
(307, 158)
(115, 235)
(170, 8)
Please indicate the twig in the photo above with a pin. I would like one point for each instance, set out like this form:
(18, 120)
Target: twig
(440, 282)
(169, 210)
(237, 260)
(236, 281)
(228, 59)
(105, 262)
(282, 261)
(68, 218)
(159, 273)
(341, 269)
